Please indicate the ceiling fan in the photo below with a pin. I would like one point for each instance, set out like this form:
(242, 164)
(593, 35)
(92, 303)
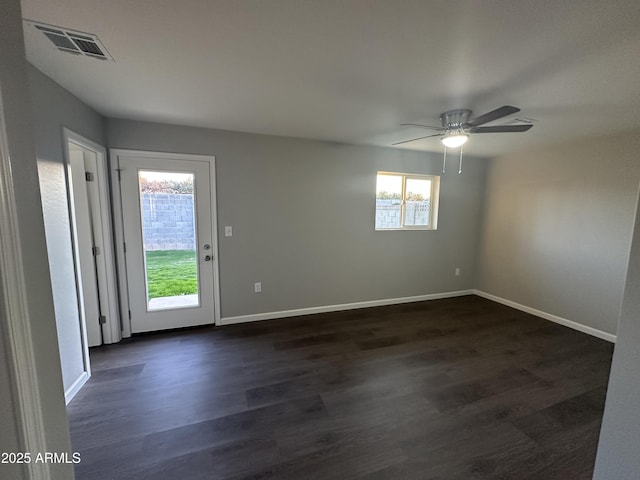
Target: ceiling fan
(456, 124)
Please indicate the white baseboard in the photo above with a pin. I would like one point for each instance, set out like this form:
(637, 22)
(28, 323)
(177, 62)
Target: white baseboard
(75, 387)
(547, 316)
(336, 308)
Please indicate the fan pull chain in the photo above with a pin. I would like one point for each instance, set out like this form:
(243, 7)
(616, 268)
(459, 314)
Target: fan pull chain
(460, 169)
(444, 162)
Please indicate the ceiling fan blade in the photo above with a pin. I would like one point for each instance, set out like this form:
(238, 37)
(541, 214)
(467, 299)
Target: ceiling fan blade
(421, 126)
(501, 129)
(492, 115)
(419, 138)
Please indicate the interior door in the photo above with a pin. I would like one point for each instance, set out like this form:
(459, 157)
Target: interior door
(80, 161)
(167, 224)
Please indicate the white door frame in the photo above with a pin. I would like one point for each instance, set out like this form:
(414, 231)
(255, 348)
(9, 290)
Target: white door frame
(17, 336)
(115, 154)
(105, 261)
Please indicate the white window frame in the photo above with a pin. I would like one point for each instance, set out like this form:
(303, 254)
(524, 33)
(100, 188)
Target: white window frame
(433, 202)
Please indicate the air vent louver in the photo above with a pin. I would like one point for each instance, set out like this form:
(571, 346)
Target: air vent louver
(61, 41)
(88, 47)
(70, 41)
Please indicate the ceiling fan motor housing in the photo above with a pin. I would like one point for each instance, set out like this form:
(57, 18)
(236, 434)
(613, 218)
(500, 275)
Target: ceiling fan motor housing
(455, 119)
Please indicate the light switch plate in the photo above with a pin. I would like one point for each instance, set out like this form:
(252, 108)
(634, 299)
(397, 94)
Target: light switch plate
(228, 231)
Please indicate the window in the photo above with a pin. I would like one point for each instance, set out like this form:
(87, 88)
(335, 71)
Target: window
(406, 202)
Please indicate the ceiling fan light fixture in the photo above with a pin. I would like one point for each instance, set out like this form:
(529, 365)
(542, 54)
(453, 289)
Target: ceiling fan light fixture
(455, 141)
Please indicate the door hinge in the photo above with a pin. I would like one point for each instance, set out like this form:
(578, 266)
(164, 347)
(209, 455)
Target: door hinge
(102, 319)
(118, 170)
(88, 176)
(129, 314)
(124, 247)
(95, 251)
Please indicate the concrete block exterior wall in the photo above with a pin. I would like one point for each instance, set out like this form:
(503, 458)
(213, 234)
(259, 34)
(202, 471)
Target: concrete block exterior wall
(388, 215)
(168, 221)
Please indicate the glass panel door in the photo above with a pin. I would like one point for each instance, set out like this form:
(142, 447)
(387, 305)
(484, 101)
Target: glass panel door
(166, 211)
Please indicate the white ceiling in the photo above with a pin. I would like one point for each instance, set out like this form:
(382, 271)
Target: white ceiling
(353, 70)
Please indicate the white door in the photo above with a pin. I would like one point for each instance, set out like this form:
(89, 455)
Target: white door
(82, 161)
(167, 226)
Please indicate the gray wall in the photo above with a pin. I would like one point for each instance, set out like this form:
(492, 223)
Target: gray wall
(557, 228)
(52, 109)
(620, 434)
(303, 219)
(15, 98)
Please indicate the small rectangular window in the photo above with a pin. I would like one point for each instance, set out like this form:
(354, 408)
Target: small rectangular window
(406, 202)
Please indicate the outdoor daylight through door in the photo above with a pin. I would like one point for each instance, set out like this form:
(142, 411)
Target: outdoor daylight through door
(169, 239)
(168, 236)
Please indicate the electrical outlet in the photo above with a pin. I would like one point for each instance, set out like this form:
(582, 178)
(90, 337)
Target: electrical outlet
(457, 271)
(257, 287)
(228, 231)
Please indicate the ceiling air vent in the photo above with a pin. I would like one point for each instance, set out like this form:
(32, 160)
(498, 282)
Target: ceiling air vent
(71, 41)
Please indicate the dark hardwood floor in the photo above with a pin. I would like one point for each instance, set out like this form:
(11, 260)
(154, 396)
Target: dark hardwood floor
(449, 389)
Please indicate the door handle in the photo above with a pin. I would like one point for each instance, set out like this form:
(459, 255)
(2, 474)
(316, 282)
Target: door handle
(207, 258)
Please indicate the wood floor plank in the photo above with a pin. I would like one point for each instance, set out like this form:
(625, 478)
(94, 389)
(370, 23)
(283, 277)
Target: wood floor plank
(447, 389)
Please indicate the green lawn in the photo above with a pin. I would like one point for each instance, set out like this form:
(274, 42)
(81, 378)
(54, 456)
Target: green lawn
(171, 272)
